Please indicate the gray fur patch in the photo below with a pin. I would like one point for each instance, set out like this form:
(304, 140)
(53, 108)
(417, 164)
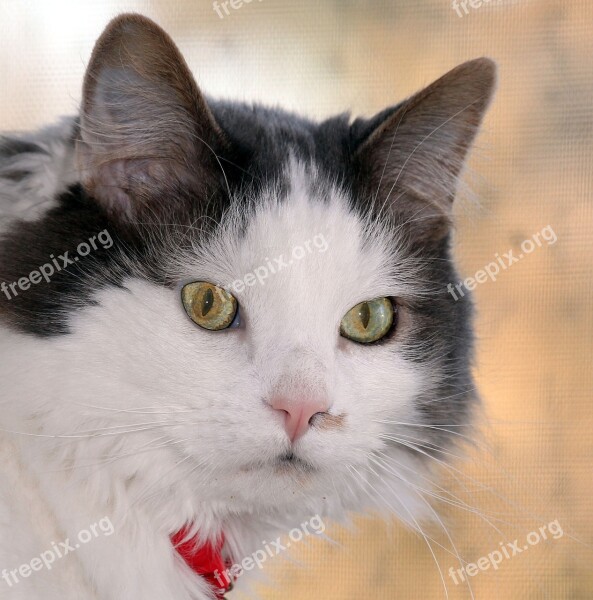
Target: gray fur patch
(34, 169)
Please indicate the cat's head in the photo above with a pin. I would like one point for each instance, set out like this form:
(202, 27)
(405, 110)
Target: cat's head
(270, 323)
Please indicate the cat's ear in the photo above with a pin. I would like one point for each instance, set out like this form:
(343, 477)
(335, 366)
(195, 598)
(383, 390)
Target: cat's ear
(413, 155)
(146, 131)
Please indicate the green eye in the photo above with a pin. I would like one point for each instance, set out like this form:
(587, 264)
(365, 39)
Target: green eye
(368, 321)
(208, 305)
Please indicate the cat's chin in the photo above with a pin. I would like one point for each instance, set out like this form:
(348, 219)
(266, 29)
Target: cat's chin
(278, 482)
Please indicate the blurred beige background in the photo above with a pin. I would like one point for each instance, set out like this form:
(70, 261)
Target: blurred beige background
(533, 167)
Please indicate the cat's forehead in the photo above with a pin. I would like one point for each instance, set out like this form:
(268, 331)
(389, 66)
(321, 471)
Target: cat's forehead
(301, 239)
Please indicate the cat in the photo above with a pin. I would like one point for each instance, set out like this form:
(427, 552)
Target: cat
(161, 394)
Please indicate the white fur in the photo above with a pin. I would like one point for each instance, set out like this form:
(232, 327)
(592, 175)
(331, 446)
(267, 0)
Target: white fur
(142, 416)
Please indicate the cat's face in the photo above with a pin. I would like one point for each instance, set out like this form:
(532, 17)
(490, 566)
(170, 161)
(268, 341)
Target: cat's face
(300, 223)
(218, 387)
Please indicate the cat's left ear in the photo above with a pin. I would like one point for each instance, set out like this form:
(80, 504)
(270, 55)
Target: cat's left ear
(410, 157)
(146, 131)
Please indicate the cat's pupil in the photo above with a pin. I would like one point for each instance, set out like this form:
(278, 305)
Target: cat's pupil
(207, 302)
(365, 314)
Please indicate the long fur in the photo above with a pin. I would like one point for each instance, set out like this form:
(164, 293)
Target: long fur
(116, 405)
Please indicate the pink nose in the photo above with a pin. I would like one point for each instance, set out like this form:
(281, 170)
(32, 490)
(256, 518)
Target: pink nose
(298, 414)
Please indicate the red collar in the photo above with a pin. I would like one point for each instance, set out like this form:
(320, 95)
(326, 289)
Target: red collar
(206, 560)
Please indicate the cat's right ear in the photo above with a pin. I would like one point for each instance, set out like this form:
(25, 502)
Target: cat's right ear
(146, 131)
(412, 157)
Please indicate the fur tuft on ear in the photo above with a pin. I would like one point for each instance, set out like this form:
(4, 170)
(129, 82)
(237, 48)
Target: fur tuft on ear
(146, 131)
(412, 158)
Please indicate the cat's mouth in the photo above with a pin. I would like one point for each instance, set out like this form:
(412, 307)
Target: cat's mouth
(290, 462)
(287, 463)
